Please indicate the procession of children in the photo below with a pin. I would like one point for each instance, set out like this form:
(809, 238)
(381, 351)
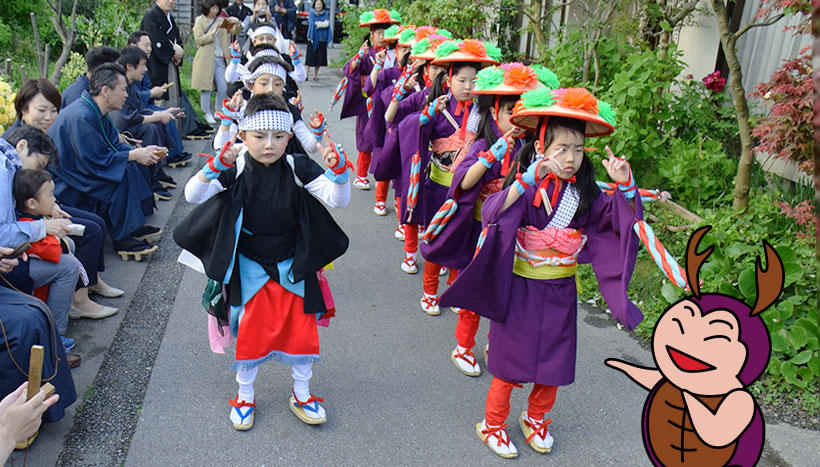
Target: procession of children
(492, 187)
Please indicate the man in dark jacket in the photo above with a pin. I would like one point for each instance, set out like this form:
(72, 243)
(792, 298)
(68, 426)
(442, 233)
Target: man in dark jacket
(166, 56)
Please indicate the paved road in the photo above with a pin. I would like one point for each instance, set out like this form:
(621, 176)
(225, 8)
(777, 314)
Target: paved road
(154, 394)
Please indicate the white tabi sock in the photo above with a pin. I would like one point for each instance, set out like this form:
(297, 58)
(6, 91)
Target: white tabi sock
(301, 380)
(245, 379)
(460, 349)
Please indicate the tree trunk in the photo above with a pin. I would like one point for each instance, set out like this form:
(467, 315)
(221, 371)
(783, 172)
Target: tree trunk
(744, 167)
(67, 33)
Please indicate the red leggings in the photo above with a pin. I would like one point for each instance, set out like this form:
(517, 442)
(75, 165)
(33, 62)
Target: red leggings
(430, 279)
(467, 328)
(411, 238)
(381, 190)
(542, 398)
(363, 164)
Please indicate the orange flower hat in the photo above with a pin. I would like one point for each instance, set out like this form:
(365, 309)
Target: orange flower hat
(379, 17)
(579, 103)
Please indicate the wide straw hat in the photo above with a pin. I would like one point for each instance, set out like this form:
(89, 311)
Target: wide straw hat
(467, 50)
(513, 79)
(378, 17)
(425, 49)
(578, 103)
(409, 40)
(393, 33)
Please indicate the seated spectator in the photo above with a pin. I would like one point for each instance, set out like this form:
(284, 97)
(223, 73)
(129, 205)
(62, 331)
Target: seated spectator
(97, 173)
(148, 93)
(36, 104)
(150, 126)
(93, 58)
(62, 277)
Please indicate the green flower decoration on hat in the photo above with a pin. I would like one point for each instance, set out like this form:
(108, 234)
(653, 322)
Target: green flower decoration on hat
(420, 46)
(392, 30)
(406, 36)
(547, 77)
(605, 111)
(444, 32)
(395, 15)
(446, 49)
(493, 51)
(367, 16)
(489, 78)
(539, 97)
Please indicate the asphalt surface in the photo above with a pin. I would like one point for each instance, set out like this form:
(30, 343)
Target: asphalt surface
(152, 392)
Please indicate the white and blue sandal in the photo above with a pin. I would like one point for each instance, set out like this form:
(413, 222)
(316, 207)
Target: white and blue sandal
(308, 411)
(242, 414)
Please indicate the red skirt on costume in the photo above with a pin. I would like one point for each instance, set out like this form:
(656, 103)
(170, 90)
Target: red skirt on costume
(275, 325)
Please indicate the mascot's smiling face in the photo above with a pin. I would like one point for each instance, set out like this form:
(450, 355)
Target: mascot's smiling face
(699, 352)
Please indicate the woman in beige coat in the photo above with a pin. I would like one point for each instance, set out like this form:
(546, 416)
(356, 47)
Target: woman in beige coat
(213, 49)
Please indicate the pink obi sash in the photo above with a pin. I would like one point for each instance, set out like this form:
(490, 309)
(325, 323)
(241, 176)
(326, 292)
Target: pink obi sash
(550, 246)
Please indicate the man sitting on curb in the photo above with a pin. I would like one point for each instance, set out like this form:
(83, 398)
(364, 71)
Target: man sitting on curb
(98, 173)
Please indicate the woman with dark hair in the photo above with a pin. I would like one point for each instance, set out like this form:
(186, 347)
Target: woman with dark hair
(36, 104)
(318, 36)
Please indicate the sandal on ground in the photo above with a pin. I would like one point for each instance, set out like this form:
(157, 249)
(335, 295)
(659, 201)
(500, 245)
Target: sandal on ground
(536, 433)
(497, 439)
(466, 362)
(399, 233)
(308, 411)
(361, 183)
(380, 208)
(242, 413)
(429, 304)
(409, 265)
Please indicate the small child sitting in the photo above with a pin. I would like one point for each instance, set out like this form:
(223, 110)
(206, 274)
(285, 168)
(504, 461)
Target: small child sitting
(33, 192)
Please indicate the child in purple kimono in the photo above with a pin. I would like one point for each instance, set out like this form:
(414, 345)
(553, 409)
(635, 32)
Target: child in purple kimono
(357, 71)
(444, 129)
(536, 230)
(478, 175)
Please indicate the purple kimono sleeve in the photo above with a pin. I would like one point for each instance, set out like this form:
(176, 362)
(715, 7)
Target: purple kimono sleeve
(455, 245)
(612, 248)
(353, 103)
(484, 285)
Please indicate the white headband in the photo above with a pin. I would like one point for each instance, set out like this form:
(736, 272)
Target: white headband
(262, 30)
(268, 120)
(249, 77)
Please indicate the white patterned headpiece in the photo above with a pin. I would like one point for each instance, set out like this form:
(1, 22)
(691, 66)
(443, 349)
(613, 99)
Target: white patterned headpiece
(268, 120)
(248, 77)
(265, 29)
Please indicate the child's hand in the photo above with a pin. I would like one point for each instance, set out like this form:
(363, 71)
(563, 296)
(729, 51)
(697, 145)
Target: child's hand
(617, 168)
(550, 164)
(441, 103)
(410, 83)
(328, 154)
(230, 154)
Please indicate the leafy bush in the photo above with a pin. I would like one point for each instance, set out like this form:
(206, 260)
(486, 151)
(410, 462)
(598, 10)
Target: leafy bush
(72, 69)
(464, 18)
(696, 172)
(566, 58)
(698, 111)
(639, 94)
(110, 23)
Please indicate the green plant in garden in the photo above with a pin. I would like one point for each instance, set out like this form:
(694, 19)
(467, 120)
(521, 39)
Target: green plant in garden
(464, 18)
(697, 110)
(639, 95)
(702, 160)
(75, 66)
